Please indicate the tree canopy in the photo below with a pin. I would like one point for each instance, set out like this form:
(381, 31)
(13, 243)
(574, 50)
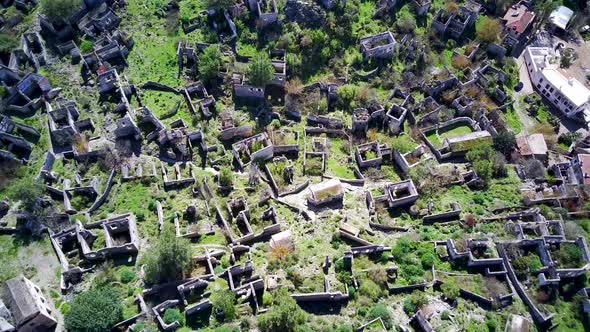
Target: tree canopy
(505, 142)
(58, 10)
(486, 161)
(260, 70)
(29, 190)
(284, 315)
(210, 63)
(488, 30)
(7, 43)
(94, 310)
(219, 4)
(169, 259)
(223, 304)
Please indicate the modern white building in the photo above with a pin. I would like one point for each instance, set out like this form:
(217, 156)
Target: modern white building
(561, 17)
(566, 93)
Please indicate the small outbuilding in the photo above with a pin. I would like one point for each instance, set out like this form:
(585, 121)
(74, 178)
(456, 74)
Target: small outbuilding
(532, 146)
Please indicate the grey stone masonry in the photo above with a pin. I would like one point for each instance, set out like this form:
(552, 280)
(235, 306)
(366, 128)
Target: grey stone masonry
(378, 47)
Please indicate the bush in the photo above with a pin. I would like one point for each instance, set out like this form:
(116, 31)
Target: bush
(460, 62)
(97, 309)
(414, 302)
(450, 290)
(370, 289)
(219, 4)
(486, 162)
(58, 11)
(172, 315)
(380, 311)
(86, 46)
(126, 276)
(569, 138)
(427, 260)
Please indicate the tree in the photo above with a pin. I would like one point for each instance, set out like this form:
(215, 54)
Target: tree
(284, 315)
(28, 190)
(260, 70)
(505, 142)
(169, 259)
(210, 63)
(223, 304)
(58, 11)
(7, 43)
(488, 30)
(97, 310)
(569, 138)
(220, 4)
(533, 168)
(226, 177)
(486, 162)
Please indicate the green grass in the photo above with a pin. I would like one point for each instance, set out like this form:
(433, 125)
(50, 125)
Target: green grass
(513, 120)
(457, 131)
(500, 192)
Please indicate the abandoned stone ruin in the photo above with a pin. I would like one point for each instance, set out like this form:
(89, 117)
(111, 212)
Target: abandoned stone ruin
(290, 165)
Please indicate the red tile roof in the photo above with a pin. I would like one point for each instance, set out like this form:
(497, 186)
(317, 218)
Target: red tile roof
(518, 18)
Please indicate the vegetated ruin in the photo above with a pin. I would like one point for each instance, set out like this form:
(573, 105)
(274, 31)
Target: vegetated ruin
(319, 165)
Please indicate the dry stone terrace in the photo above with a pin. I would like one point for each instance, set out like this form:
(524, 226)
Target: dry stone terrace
(287, 165)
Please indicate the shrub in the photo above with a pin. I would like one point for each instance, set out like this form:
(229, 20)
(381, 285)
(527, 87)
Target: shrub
(172, 315)
(486, 162)
(97, 309)
(427, 260)
(492, 325)
(58, 11)
(569, 138)
(414, 302)
(380, 311)
(450, 290)
(460, 62)
(370, 289)
(126, 276)
(86, 46)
